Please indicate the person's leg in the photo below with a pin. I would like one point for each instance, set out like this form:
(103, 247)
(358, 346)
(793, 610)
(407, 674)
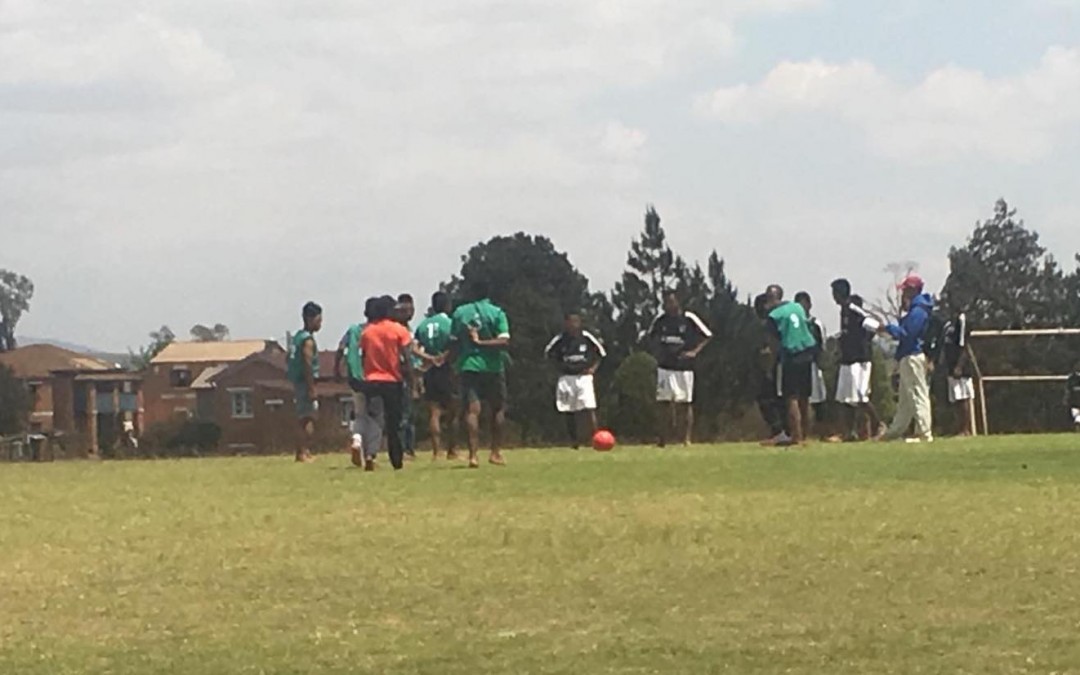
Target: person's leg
(964, 408)
(794, 413)
(571, 429)
(452, 424)
(873, 419)
(924, 429)
(472, 425)
(372, 423)
(905, 408)
(594, 426)
(497, 384)
(307, 438)
(804, 417)
(435, 413)
(663, 407)
(393, 404)
(688, 430)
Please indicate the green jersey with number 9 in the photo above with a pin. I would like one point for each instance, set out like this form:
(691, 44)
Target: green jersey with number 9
(793, 327)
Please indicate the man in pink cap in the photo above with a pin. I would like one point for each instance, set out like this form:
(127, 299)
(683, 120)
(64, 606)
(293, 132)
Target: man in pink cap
(910, 334)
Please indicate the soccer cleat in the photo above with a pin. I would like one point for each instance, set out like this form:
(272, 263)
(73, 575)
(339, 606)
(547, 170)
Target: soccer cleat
(780, 440)
(369, 464)
(357, 458)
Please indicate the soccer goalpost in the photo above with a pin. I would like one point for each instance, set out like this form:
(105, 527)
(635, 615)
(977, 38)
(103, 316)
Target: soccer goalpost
(982, 380)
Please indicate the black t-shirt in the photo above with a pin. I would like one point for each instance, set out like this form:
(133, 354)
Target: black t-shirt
(673, 335)
(955, 337)
(856, 335)
(575, 353)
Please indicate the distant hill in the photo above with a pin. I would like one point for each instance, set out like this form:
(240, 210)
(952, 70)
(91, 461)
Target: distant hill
(123, 359)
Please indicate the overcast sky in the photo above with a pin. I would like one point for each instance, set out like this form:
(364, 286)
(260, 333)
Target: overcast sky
(185, 161)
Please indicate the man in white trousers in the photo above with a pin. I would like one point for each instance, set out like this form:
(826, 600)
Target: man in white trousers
(910, 333)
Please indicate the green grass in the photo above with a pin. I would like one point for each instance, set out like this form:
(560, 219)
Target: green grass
(962, 557)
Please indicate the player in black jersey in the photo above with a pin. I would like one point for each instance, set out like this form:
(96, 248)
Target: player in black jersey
(856, 342)
(676, 338)
(956, 357)
(577, 353)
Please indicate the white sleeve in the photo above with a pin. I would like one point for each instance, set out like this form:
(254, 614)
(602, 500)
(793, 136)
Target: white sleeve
(596, 343)
(961, 330)
(870, 324)
(702, 328)
(551, 345)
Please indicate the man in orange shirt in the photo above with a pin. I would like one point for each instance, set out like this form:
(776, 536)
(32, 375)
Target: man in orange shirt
(383, 343)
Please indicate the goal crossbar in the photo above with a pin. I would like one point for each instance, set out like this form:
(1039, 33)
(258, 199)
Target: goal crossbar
(983, 379)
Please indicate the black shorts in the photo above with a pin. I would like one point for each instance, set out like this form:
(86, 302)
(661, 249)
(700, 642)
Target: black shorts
(489, 388)
(439, 386)
(796, 379)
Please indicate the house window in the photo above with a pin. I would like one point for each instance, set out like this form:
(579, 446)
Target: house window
(32, 389)
(180, 377)
(348, 410)
(241, 403)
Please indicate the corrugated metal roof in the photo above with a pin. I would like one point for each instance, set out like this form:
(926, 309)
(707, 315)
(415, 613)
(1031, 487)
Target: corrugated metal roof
(219, 352)
(40, 360)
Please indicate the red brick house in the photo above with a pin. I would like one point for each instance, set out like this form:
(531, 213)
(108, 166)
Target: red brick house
(78, 396)
(168, 381)
(252, 402)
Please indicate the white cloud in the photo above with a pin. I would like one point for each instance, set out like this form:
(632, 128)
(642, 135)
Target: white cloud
(170, 135)
(952, 113)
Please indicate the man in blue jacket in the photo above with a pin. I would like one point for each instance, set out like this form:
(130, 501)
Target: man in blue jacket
(910, 332)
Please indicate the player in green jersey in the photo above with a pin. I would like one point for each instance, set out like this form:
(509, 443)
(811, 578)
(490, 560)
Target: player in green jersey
(431, 346)
(795, 343)
(303, 370)
(481, 336)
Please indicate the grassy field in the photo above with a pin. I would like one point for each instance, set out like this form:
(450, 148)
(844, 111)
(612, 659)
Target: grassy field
(962, 557)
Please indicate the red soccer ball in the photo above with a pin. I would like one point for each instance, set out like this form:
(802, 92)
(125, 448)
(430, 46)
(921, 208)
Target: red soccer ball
(603, 441)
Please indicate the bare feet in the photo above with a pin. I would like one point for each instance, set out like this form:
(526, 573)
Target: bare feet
(369, 464)
(305, 457)
(474, 462)
(357, 458)
(497, 459)
(452, 456)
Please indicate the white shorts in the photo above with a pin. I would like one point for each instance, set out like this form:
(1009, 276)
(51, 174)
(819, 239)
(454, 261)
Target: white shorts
(575, 393)
(853, 384)
(674, 386)
(1076, 415)
(818, 392)
(961, 389)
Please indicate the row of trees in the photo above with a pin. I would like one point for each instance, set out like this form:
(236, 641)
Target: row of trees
(1002, 276)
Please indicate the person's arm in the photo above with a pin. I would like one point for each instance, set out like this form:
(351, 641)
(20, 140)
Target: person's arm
(914, 323)
(407, 369)
(309, 375)
(549, 350)
(704, 334)
(419, 352)
(501, 339)
(599, 353)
